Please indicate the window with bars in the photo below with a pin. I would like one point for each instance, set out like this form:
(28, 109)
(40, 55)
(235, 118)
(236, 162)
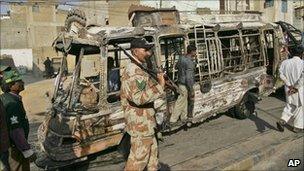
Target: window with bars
(268, 3)
(35, 8)
(171, 48)
(117, 60)
(252, 48)
(231, 49)
(284, 6)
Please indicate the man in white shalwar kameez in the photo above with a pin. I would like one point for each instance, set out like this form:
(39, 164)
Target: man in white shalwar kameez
(291, 72)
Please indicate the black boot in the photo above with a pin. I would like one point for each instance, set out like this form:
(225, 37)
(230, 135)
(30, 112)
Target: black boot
(297, 130)
(280, 126)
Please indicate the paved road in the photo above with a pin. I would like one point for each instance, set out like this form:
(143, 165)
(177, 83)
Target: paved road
(209, 137)
(279, 161)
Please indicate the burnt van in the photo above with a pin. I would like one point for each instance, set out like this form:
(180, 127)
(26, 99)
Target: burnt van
(236, 63)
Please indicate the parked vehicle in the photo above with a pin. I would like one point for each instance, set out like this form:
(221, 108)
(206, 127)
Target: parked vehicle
(236, 63)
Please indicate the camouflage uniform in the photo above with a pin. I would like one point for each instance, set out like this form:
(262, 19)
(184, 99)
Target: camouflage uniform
(139, 91)
(2, 69)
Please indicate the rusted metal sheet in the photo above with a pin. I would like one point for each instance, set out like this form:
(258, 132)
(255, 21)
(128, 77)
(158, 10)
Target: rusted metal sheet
(142, 16)
(224, 95)
(73, 152)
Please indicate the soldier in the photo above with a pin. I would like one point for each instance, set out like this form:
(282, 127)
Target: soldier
(4, 143)
(3, 68)
(139, 92)
(184, 103)
(48, 68)
(20, 151)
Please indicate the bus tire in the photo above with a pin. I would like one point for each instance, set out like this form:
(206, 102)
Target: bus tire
(245, 108)
(75, 15)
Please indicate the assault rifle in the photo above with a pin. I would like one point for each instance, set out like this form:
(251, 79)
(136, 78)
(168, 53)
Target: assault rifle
(168, 82)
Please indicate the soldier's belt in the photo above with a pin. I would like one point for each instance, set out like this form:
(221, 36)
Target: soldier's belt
(147, 105)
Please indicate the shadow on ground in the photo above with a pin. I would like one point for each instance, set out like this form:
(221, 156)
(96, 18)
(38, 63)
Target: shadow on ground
(185, 127)
(279, 94)
(164, 167)
(261, 124)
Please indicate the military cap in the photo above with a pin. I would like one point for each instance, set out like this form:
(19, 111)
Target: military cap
(141, 43)
(11, 76)
(4, 68)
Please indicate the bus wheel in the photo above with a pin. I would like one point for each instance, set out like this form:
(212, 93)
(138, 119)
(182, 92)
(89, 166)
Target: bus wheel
(245, 108)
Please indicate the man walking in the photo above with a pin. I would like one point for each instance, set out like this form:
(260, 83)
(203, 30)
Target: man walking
(291, 71)
(48, 67)
(139, 91)
(20, 151)
(184, 103)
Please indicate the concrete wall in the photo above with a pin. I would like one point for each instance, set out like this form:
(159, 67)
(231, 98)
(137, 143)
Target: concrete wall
(256, 6)
(299, 14)
(21, 57)
(96, 11)
(28, 28)
(35, 26)
(299, 19)
(44, 25)
(233, 5)
(269, 14)
(32, 27)
(13, 30)
(43, 52)
(274, 13)
(118, 12)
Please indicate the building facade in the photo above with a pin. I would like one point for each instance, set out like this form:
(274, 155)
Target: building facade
(118, 12)
(299, 14)
(33, 26)
(271, 10)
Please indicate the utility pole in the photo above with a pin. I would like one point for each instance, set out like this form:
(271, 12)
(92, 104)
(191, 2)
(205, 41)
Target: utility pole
(236, 4)
(222, 6)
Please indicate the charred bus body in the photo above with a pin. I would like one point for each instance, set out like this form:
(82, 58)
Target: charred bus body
(235, 63)
(293, 35)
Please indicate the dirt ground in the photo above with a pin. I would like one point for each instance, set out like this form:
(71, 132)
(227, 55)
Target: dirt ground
(34, 96)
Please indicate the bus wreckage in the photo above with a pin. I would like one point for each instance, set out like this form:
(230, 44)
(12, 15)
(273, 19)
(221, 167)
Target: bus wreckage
(237, 61)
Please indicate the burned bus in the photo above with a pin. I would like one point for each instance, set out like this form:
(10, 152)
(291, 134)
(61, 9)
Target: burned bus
(236, 62)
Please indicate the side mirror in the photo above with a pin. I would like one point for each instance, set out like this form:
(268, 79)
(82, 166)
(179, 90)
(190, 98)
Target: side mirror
(205, 86)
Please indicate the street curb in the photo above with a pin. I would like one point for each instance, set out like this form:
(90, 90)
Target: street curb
(249, 162)
(258, 156)
(240, 155)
